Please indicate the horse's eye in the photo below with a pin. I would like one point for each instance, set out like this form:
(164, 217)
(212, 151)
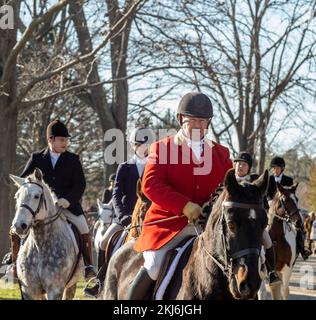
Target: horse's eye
(231, 226)
(36, 196)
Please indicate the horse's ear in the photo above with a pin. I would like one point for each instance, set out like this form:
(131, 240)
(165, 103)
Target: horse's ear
(38, 174)
(18, 181)
(262, 182)
(230, 182)
(280, 187)
(294, 187)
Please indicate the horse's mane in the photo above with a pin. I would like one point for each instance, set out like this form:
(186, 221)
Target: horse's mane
(216, 211)
(134, 232)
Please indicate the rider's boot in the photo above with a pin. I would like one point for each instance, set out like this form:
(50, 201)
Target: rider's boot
(300, 244)
(94, 291)
(87, 256)
(15, 247)
(141, 287)
(274, 279)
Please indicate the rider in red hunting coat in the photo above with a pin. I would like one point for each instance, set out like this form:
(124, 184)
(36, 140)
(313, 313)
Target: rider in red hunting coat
(181, 173)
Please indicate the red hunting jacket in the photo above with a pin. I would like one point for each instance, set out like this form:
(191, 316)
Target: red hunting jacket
(172, 177)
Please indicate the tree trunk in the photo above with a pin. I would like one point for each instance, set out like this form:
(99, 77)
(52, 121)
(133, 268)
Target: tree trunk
(8, 134)
(96, 99)
(111, 115)
(8, 130)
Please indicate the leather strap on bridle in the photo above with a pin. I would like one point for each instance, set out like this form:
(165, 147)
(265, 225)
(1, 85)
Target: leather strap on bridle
(229, 257)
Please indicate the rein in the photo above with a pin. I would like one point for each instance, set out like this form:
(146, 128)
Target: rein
(226, 267)
(288, 216)
(151, 223)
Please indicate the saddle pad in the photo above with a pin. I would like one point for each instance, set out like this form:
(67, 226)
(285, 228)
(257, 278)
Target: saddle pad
(164, 284)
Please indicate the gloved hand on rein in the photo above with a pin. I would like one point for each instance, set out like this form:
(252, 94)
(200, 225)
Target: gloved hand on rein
(192, 211)
(64, 203)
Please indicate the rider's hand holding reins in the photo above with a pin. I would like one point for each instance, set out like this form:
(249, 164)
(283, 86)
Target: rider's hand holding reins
(64, 203)
(192, 211)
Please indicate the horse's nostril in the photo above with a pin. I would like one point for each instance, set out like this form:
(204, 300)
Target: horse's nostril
(23, 226)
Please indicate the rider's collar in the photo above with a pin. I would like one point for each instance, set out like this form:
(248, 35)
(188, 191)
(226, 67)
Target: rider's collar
(179, 138)
(244, 178)
(279, 178)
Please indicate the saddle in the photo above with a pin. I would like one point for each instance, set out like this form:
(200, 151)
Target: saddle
(114, 243)
(170, 276)
(77, 236)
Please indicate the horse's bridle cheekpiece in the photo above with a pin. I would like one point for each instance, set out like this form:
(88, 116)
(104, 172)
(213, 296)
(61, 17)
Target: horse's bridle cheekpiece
(42, 201)
(230, 257)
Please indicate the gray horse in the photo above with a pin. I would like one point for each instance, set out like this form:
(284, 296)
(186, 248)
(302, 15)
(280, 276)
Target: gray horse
(47, 261)
(105, 219)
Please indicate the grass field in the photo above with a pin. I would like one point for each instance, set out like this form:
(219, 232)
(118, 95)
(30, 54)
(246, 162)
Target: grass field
(12, 292)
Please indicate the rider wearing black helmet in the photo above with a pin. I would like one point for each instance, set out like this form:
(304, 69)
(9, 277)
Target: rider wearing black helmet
(277, 165)
(107, 193)
(243, 164)
(63, 173)
(124, 196)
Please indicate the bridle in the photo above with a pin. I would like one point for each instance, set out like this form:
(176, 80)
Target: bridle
(41, 203)
(288, 215)
(225, 263)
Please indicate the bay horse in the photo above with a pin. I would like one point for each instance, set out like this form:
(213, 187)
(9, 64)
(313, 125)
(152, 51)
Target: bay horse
(105, 219)
(284, 217)
(224, 261)
(48, 262)
(141, 207)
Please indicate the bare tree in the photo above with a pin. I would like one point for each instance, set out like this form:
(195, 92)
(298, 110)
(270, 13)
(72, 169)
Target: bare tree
(14, 99)
(252, 57)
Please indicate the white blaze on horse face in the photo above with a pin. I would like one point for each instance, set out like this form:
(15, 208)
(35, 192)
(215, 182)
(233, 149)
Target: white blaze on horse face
(252, 214)
(23, 217)
(106, 213)
(29, 194)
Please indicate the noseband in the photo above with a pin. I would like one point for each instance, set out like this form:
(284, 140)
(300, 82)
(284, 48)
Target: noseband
(228, 258)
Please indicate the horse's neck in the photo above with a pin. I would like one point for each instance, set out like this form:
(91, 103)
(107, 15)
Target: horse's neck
(204, 270)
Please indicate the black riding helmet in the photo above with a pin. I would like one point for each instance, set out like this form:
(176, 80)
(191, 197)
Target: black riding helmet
(141, 136)
(245, 157)
(277, 162)
(57, 129)
(195, 104)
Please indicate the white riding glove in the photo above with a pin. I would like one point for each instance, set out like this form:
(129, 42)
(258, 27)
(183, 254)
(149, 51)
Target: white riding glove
(62, 202)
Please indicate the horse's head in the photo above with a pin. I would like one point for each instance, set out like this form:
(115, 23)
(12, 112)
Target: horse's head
(238, 228)
(285, 205)
(105, 211)
(31, 203)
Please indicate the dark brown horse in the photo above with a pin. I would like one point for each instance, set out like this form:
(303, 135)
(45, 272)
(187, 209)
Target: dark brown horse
(224, 260)
(284, 218)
